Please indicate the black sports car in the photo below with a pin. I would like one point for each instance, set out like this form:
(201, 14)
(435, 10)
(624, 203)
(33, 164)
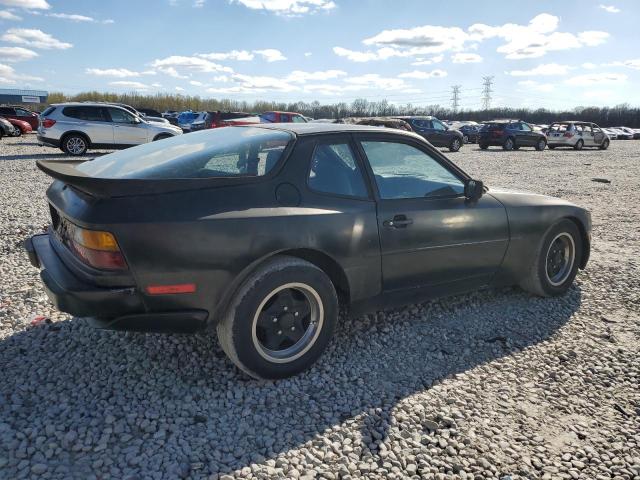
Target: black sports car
(264, 230)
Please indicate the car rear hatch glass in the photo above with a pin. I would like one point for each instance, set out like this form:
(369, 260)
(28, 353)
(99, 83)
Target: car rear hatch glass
(223, 152)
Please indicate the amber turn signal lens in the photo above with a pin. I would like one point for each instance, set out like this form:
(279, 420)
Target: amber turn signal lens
(96, 240)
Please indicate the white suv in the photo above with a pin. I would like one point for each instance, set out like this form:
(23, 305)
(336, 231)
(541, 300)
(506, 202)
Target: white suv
(76, 127)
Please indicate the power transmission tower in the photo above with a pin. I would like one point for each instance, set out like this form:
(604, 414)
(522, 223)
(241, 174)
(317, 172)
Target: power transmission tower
(486, 92)
(455, 97)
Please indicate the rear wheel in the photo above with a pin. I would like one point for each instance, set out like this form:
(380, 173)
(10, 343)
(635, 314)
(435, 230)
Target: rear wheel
(551, 147)
(542, 143)
(455, 145)
(75, 144)
(579, 144)
(508, 144)
(280, 320)
(556, 263)
(605, 144)
(18, 132)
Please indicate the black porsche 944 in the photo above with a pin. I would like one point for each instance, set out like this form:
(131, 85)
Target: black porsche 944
(263, 231)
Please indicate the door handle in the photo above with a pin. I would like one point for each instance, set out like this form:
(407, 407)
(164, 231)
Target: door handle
(399, 221)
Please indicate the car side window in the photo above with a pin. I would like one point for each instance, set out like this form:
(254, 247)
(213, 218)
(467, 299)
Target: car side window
(22, 112)
(120, 116)
(298, 119)
(335, 170)
(269, 116)
(525, 127)
(6, 111)
(437, 125)
(404, 171)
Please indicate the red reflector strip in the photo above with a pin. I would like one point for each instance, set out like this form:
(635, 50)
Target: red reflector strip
(171, 289)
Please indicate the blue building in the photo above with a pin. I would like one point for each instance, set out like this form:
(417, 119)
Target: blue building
(11, 96)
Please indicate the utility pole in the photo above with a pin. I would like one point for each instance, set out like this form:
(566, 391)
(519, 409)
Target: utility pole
(486, 92)
(455, 97)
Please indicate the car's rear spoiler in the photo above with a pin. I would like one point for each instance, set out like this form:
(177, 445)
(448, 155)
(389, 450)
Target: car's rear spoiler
(66, 172)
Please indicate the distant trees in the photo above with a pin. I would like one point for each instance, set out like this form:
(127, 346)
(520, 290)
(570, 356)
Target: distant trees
(622, 114)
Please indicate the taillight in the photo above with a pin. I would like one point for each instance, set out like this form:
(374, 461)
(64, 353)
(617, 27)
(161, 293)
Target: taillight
(48, 123)
(96, 248)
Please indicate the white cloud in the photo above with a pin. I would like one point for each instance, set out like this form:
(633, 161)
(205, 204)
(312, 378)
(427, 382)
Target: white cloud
(288, 8)
(298, 76)
(430, 38)
(195, 83)
(16, 54)
(72, 17)
(179, 89)
(108, 21)
(271, 54)
(589, 66)
(307, 54)
(355, 56)
(374, 80)
(156, 85)
(596, 79)
(420, 75)
(428, 61)
(199, 3)
(9, 76)
(610, 8)
(34, 38)
(466, 58)
(379, 54)
(27, 4)
(7, 15)
(170, 65)
(593, 38)
(239, 55)
(635, 64)
(553, 69)
(112, 72)
(129, 84)
(538, 87)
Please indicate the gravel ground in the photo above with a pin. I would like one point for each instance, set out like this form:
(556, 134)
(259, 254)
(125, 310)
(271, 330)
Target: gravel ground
(496, 384)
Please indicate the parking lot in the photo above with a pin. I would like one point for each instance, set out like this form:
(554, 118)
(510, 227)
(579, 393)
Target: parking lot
(494, 384)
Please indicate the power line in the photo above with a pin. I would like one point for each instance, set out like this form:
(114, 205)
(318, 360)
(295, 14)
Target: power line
(486, 92)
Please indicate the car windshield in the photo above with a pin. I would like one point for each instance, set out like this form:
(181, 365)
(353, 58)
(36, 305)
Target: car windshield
(222, 152)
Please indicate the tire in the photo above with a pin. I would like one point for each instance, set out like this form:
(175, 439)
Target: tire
(579, 144)
(540, 146)
(483, 146)
(508, 144)
(605, 144)
(551, 147)
(162, 136)
(266, 290)
(75, 144)
(17, 133)
(465, 139)
(539, 281)
(455, 145)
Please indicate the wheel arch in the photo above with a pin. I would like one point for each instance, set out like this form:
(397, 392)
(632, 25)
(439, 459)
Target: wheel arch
(162, 136)
(320, 259)
(75, 132)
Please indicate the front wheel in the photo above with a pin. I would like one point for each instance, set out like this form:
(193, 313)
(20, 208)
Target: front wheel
(556, 262)
(605, 144)
(542, 143)
(280, 320)
(579, 144)
(17, 133)
(455, 145)
(508, 144)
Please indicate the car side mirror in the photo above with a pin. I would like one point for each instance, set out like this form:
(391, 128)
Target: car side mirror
(473, 190)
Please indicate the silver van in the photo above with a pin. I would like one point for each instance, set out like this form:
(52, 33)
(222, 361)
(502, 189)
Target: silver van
(77, 127)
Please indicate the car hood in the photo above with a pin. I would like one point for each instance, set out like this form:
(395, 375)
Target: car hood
(513, 198)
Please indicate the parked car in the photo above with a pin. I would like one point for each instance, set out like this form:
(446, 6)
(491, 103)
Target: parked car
(377, 122)
(576, 135)
(439, 134)
(150, 112)
(470, 131)
(510, 135)
(6, 128)
(77, 127)
(622, 134)
(629, 131)
(185, 119)
(219, 118)
(262, 230)
(20, 113)
(267, 117)
(171, 116)
(611, 133)
(20, 127)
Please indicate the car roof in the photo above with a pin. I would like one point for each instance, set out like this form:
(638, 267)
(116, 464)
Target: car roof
(417, 117)
(301, 129)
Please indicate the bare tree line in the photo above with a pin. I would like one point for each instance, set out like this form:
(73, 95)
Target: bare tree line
(618, 115)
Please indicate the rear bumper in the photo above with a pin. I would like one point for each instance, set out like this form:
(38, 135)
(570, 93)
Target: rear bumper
(120, 308)
(51, 142)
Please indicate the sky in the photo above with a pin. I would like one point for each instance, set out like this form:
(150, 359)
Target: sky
(547, 54)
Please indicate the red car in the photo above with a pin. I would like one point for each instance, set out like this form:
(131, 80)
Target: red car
(20, 113)
(21, 126)
(269, 117)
